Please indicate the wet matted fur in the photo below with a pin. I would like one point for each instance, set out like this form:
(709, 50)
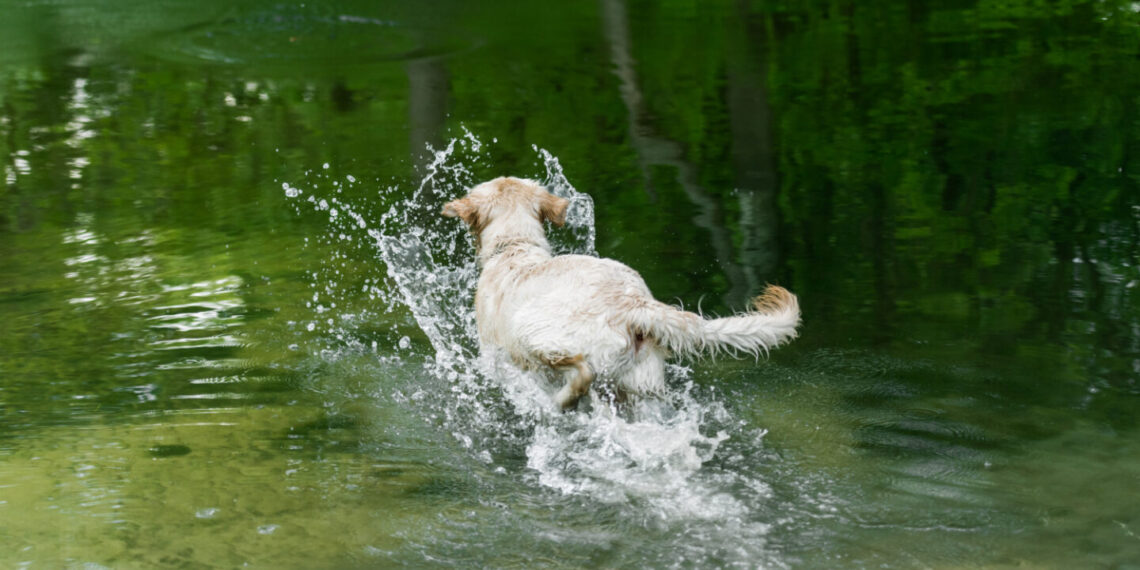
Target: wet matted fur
(587, 317)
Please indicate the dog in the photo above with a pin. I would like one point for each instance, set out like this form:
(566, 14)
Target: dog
(584, 317)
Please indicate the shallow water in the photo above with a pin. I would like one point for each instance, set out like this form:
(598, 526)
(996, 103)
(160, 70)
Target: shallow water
(235, 332)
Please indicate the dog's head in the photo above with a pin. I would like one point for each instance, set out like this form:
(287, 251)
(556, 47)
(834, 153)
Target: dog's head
(511, 200)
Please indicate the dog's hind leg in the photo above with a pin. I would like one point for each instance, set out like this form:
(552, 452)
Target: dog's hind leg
(579, 376)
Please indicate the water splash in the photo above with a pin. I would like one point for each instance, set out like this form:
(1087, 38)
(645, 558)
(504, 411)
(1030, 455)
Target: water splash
(654, 457)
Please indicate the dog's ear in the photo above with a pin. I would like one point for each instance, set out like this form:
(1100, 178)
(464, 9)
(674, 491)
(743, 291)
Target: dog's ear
(553, 209)
(463, 209)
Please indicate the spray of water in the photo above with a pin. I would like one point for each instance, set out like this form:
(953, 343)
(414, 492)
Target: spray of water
(654, 458)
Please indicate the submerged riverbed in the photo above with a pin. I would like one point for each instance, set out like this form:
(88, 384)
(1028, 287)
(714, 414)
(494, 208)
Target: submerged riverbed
(235, 332)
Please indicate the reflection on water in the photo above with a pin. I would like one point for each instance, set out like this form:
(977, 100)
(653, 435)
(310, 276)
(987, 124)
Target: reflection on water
(309, 34)
(242, 484)
(234, 329)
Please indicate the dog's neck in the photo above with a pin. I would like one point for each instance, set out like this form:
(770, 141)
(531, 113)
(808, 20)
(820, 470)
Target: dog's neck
(498, 240)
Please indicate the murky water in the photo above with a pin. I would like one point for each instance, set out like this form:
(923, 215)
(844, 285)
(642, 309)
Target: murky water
(235, 332)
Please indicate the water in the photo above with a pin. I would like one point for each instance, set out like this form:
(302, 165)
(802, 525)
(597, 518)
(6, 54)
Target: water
(235, 330)
(647, 462)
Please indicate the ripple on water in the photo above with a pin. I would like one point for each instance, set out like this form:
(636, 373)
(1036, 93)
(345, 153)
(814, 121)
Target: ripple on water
(932, 453)
(290, 34)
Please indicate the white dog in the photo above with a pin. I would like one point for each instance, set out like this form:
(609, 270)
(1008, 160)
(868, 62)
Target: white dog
(587, 317)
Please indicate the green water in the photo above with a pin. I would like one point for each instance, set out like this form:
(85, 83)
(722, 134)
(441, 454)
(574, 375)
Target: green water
(199, 370)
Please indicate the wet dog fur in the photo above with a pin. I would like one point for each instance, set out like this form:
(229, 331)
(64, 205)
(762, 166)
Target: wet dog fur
(584, 317)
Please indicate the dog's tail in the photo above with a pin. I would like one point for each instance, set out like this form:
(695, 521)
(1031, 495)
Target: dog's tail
(772, 322)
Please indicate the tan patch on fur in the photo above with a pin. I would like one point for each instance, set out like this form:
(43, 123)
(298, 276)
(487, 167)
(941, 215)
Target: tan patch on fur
(553, 209)
(774, 299)
(466, 210)
(638, 340)
(580, 384)
(566, 361)
(547, 206)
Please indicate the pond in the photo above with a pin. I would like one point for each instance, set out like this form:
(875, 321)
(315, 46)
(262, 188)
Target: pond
(236, 332)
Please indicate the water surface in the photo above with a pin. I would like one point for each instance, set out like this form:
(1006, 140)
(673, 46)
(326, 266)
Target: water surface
(236, 333)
